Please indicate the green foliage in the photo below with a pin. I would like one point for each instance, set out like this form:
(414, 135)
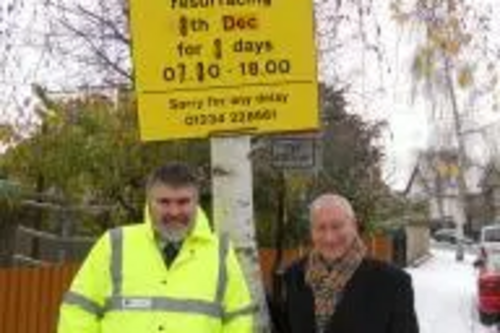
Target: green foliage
(351, 156)
(395, 210)
(351, 167)
(87, 151)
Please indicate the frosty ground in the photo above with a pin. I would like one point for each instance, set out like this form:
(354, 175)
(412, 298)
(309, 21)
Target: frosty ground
(445, 293)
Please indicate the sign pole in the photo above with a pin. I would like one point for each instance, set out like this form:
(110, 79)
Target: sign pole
(233, 211)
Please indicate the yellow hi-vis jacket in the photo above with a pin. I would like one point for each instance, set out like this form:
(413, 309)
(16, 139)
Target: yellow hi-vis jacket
(124, 286)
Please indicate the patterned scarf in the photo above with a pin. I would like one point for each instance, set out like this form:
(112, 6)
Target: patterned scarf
(328, 281)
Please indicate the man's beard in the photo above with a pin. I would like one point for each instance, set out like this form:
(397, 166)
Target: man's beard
(174, 234)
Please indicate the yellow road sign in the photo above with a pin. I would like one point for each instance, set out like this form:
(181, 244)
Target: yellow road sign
(208, 66)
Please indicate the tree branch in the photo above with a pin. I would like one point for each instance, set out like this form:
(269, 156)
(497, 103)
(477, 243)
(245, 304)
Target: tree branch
(110, 24)
(97, 51)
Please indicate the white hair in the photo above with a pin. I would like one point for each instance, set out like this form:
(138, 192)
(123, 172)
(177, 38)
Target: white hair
(335, 200)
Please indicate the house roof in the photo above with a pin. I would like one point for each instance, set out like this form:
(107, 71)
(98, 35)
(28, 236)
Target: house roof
(416, 177)
(491, 176)
(426, 176)
(411, 181)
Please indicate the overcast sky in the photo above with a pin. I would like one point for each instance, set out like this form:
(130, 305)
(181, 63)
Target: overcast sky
(381, 93)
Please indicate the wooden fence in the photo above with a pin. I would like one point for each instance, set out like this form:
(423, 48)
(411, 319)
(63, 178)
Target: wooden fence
(30, 297)
(379, 247)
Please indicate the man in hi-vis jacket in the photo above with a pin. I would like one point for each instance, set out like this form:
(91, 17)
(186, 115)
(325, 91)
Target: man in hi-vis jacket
(168, 274)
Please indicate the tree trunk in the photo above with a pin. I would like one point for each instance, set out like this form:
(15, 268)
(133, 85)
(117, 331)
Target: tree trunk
(462, 185)
(233, 211)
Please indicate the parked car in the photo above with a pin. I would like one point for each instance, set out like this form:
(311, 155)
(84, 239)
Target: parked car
(488, 286)
(450, 236)
(489, 239)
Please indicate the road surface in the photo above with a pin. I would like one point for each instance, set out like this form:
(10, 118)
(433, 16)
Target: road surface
(445, 295)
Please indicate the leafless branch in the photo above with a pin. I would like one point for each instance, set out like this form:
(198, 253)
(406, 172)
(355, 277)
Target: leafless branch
(99, 53)
(108, 23)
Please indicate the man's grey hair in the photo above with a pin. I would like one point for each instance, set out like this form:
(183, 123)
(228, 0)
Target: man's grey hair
(174, 174)
(336, 200)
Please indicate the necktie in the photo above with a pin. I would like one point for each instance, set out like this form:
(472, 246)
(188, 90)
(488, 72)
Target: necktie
(170, 252)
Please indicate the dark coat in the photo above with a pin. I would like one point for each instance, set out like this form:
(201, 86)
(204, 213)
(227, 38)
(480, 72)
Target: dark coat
(377, 299)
